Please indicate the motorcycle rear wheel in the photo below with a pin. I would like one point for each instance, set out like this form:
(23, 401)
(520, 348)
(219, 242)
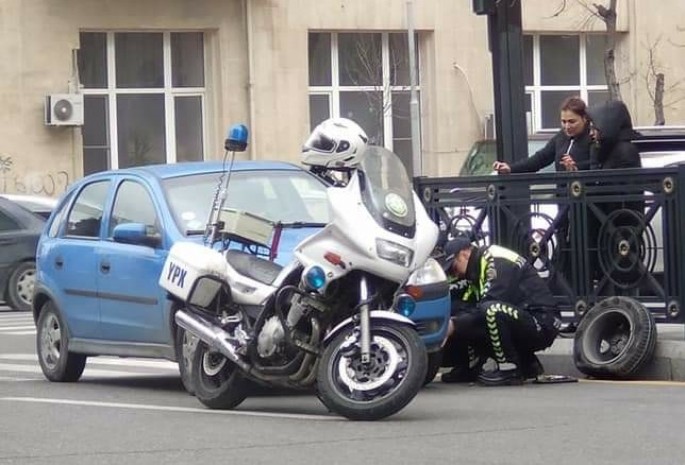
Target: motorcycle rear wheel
(380, 388)
(218, 382)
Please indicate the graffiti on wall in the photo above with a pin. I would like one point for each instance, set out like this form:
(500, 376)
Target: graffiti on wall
(51, 183)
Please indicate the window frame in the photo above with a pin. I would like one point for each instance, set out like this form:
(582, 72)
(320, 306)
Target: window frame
(111, 91)
(158, 226)
(535, 90)
(335, 89)
(65, 233)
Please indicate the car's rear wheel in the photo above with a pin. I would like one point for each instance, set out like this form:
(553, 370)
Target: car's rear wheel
(20, 286)
(52, 345)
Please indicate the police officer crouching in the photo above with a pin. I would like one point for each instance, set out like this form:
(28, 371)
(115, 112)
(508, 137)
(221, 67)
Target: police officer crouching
(501, 309)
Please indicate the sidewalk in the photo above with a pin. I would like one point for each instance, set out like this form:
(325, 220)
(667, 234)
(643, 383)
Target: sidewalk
(668, 363)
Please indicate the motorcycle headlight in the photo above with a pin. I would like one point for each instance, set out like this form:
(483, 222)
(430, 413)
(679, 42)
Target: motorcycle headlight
(429, 273)
(394, 252)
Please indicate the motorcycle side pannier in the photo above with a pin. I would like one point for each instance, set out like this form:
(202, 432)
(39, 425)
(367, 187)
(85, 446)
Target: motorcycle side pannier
(193, 273)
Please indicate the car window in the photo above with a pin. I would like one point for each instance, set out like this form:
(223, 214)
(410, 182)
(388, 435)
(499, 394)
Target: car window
(133, 204)
(7, 223)
(285, 196)
(480, 158)
(661, 159)
(56, 223)
(85, 216)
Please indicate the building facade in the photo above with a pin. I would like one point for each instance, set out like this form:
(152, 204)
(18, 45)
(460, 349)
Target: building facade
(162, 80)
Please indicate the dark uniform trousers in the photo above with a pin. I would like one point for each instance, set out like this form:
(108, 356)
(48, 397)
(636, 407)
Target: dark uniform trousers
(515, 334)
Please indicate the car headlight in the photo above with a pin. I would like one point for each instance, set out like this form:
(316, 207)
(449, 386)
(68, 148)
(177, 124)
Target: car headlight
(314, 278)
(394, 252)
(429, 273)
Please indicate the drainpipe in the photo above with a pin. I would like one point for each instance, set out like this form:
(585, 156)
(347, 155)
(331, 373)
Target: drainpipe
(247, 8)
(417, 159)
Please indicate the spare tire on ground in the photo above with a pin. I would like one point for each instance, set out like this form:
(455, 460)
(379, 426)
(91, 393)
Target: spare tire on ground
(615, 339)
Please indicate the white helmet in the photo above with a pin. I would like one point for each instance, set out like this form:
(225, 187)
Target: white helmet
(335, 143)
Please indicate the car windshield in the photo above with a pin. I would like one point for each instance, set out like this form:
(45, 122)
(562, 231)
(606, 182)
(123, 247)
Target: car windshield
(483, 154)
(285, 196)
(387, 192)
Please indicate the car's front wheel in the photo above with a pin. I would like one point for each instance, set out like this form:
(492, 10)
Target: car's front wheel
(52, 344)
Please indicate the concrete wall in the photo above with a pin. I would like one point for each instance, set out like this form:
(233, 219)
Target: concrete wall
(451, 108)
(36, 42)
(37, 38)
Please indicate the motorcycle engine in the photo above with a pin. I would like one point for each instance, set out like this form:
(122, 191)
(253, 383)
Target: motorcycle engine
(270, 337)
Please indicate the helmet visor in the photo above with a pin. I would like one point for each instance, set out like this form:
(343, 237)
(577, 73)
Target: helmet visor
(320, 142)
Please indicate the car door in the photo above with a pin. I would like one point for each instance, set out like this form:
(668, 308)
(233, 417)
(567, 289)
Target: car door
(131, 301)
(67, 261)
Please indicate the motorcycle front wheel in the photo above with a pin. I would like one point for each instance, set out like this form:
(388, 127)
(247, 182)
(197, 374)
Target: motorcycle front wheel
(218, 382)
(379, 388)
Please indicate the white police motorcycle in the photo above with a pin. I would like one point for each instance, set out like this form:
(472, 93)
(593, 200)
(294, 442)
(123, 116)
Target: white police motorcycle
(336, 317)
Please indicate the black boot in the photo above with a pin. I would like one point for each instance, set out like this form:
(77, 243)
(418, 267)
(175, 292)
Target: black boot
(507, 374)
(460, 374)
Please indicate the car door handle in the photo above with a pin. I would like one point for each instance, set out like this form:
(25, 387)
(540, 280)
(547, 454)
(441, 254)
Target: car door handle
(105, 267)
(59, 262)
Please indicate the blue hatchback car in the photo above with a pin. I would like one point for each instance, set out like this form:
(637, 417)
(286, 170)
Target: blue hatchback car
(101, 254)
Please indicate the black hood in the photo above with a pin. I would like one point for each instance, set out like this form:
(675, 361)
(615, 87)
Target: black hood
(613, 122)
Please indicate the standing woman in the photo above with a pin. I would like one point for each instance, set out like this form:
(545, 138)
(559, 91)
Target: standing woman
(569, 149)
(612, 132)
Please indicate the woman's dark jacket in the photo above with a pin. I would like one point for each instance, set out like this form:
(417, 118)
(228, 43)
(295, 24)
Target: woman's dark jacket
(554, 150)
(614, 149)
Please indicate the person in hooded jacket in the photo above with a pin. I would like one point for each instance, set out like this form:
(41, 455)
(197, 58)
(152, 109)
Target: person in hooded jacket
(612, 130)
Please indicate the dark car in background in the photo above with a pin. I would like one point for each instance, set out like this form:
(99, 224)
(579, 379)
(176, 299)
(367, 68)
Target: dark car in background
(20, 230)
(38, 204)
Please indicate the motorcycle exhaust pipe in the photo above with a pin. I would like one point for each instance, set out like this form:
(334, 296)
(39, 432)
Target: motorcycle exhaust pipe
(211, 335)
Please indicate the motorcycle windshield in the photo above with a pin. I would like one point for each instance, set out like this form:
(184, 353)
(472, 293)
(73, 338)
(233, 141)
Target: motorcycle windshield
(387, 191)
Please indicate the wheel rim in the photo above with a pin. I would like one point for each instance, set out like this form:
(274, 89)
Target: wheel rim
(51, 341)
(188, 347)
(215, 370)
(380, 377)
(608, 337)
(25, 284)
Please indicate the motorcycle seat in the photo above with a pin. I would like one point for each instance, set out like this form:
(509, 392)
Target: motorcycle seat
(253, 267)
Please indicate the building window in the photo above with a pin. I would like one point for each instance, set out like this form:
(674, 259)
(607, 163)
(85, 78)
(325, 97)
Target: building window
(363, 77)
(143, 98)
(559, 66)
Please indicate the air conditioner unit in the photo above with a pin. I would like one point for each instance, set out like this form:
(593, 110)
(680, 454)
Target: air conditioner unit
(64, 110)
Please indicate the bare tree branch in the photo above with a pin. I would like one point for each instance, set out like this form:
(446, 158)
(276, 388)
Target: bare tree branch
(655, 80)
(560, 10)
(608, 15)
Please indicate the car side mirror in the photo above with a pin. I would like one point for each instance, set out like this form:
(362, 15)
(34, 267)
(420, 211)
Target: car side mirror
(137, 234)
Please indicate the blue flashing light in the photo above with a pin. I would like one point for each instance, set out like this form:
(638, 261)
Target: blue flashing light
(405, 305)
(236, 140)
(315, 277)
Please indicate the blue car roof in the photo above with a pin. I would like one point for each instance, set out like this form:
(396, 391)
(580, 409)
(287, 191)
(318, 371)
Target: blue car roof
(173, 170)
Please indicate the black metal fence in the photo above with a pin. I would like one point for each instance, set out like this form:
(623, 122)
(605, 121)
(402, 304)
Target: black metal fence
(591, 234)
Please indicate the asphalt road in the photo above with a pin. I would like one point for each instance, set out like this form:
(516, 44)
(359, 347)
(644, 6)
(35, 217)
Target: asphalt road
(136, 412)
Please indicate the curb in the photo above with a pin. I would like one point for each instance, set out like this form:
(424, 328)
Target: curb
(668, 363)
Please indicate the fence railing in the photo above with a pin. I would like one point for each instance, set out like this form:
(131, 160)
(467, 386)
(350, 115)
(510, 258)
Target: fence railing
(591, 234)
